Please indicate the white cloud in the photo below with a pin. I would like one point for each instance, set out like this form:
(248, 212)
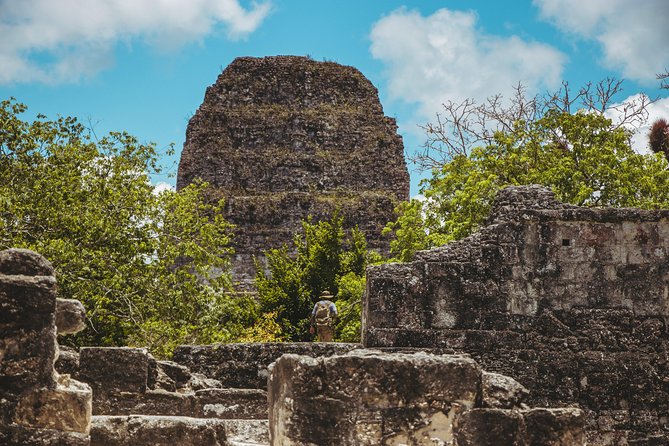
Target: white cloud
(441, 57)
(60, 41)
(162, 187)
(633, 35)
(656, 110)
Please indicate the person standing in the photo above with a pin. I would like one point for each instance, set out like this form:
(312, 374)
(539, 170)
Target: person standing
(323, 317)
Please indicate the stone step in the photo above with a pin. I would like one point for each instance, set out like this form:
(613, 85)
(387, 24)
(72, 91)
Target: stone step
(160, 430)
(207, 403)
(14, 435)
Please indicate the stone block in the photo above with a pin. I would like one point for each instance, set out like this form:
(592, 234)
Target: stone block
(240, 404)
(23, 262)
(114, 369)
(207, 403)
(168, 375)
(501, 392)
(247, 432)
(65, 408)
(365, 396)
(143, 430)
(535, 427)
(70, 316)
(152, 402)
(21, 436)
(67, 362)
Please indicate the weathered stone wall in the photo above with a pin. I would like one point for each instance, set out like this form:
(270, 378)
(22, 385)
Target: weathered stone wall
(282, 138)
(37, 406)
(367, 397)
(571, 302)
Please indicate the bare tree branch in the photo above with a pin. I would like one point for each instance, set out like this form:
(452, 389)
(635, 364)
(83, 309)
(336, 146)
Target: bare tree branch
(460, 127)
(663, 77)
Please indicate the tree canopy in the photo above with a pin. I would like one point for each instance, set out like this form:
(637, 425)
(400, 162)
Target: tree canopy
(150, 268)
(583, 156)
(325, 258)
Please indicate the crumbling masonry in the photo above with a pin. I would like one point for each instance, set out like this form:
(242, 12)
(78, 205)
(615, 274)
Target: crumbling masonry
(571, 302)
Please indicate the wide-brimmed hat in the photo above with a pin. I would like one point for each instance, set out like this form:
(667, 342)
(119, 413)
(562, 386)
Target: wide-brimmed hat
(326, 293)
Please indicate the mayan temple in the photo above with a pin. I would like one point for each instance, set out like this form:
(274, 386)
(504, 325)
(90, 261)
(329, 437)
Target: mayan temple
(282, 138)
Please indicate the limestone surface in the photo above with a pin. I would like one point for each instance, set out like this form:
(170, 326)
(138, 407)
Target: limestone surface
(281, 138)
(368, 397)
(135, 430)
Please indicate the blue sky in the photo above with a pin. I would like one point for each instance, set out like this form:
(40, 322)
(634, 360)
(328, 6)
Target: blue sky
(143, 65)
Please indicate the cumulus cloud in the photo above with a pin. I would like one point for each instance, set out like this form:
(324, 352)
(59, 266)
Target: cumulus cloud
(57, 41)
(633, 35)
(441, 57)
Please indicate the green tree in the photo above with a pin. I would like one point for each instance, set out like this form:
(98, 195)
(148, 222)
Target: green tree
(325, 258)
(146, 265)
(585, 158)
(349, 304)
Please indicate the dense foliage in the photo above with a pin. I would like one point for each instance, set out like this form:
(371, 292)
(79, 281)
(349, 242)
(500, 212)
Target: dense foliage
(325, 259)
(140, 261)
(583, 157)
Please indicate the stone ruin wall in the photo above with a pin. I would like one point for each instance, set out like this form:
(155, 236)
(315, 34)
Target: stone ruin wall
(327, 394)
(571, 302)
(283, 138)
(101, 396)
(38, 406)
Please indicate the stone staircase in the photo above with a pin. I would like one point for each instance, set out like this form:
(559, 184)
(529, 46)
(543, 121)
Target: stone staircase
(159, 430)
(209, 396)
(138, 401)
